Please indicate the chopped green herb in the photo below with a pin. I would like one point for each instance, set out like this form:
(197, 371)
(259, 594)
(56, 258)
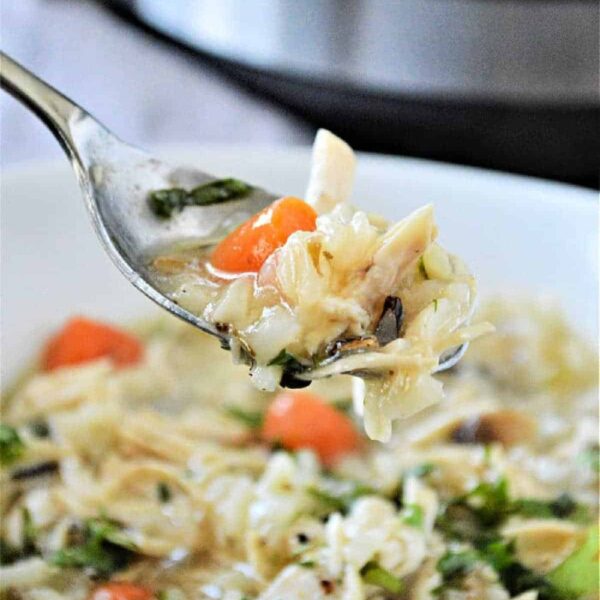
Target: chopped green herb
(104, 549)
(335, 503)
(421, 470)
(467, 517)
(252, 419)
(531, 507)
(163, 491)
(422, 268)
(11, 444)
(489, 501)
(374, 574)
(474, 516)
(220, 191)
(110, 531)
(435, 304)
(343, 405)
(562, 507)
(413, 515)
(338, 496)
(282, 359)
(308, 564)
(458, 522)
(454, 565)
(29, 532)
(489, 504)
(164, 203)
(291, 367)
(517, 579)
(499, 554)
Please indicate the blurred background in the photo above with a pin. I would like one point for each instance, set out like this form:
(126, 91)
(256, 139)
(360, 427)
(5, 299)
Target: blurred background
(504, 84)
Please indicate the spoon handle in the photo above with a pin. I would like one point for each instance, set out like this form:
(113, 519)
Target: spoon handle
(57, 111)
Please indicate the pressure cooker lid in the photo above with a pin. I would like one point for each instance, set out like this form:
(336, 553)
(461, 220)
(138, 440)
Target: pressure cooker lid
(516, 51)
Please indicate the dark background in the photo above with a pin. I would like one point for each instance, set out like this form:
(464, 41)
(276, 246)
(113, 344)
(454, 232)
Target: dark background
(152, 85)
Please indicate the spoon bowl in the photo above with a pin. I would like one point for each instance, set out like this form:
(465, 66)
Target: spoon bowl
(116, 180)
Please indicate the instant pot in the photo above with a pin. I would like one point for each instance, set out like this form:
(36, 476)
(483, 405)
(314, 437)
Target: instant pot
(507, 84)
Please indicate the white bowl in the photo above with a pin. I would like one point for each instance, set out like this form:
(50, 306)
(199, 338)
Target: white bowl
(517, 234)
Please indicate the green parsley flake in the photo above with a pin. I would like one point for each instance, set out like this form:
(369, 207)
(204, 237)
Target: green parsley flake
(105, 549)
(374, 574)
(514, 576)
(29, 532)
(338, 496)
(308, 564)
(282, 359)
(421, 470)
(251, 419)
(412, 514)
(165, 203)
(562, 507)
(490, 501)
(344, 405)
(457, 564)
(11, 445)
(291, 368)
(422, 268)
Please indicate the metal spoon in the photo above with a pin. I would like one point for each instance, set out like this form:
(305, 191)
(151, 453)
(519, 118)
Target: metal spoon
(116, 178)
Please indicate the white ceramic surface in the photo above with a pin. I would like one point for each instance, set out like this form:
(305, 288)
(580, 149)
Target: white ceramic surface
(519, 235)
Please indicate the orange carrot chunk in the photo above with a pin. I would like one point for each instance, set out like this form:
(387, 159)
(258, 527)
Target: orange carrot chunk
(82, 340)
(304, 420)
(121, 591)
(246, 248)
